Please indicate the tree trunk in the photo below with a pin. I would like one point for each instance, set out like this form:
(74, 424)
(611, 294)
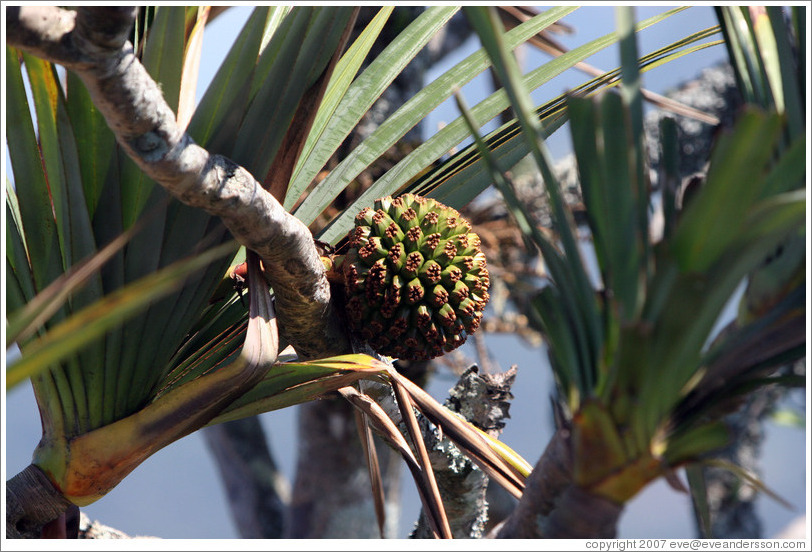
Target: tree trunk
(331, 496)
(257, 492)
(553, 507)
(32, 502)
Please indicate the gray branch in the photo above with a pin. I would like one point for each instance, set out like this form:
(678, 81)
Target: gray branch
(257, 492)
(94, 529)
(482, 399)
(332, 496)
(93, 43)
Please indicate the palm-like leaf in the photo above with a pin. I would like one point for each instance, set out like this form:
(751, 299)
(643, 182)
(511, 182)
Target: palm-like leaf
(631, 360)
(338, 125)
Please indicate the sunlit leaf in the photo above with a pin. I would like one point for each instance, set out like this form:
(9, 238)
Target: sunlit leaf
(301, 50)
(292, 383)
(362, 94)
(227, 95)
(191, 67)
(399, 123)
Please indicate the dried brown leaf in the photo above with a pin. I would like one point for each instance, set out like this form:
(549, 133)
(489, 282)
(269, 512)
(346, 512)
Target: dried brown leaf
(375, 479)
(465, 437)
(440, 524)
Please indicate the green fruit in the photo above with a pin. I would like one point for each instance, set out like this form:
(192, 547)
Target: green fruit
(415, 277)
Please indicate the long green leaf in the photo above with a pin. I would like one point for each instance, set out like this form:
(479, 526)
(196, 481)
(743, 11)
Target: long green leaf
(768, 52)
(788, 70)
(301, 53)
(669, 153)
(163, 59)
(168, 321)
(165, 322)
(345, 71)
(562, 324)
(734, 180)
(695, 301)
(788, 172)
(93, 321)
(230, 84)
(163, 51)
(743, 49)
(699, 495)
(505, 186)
(363, 93)
(735, 49)
(45, 92)
(637, 267)
(457, 181)
(133, 371)
(65, 191)
(462, 177)
(291, 383)
(23, 323)
(18, 281)
(215, 343)
(172, 231)
(487, 26)
(93, 138)
(406, 117)
(141, 258)
(81, 244)
(696, 442)
(20, 287)
(603, 145)
(31, 186)
(564, 357)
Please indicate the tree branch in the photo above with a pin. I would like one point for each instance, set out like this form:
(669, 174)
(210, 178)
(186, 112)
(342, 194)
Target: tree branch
(483, 400)
(554, 507)
(93, 44)
(331, 494)
(32, 501)
(94, 529)
(257, 492)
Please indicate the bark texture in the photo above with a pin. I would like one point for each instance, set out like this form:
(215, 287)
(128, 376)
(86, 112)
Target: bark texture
(483, 400)
(32, 501)
(553, 507)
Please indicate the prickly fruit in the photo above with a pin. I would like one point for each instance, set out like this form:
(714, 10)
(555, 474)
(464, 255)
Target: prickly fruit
(415, 277)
